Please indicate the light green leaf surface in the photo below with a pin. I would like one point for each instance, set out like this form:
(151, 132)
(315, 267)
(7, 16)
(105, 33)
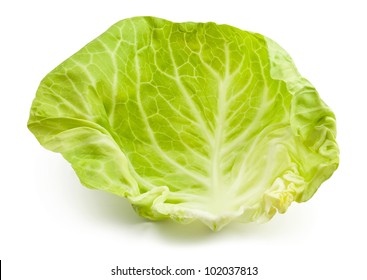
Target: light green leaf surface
(188, 121)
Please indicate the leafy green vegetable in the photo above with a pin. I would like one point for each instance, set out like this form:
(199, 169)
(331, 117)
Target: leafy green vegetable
(188, 121)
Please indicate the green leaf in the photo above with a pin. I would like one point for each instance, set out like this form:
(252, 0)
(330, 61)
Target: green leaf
(188, 121)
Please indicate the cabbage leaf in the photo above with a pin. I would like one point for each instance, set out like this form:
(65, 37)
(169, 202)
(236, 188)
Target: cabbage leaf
(188, 121)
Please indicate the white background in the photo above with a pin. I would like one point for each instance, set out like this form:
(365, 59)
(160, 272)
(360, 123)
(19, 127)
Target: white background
(51, 227)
